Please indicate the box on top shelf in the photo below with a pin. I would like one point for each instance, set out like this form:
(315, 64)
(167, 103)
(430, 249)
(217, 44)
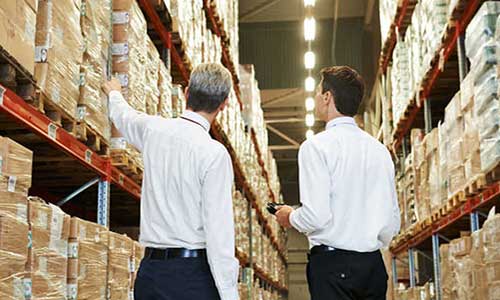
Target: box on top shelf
(15, 166)
(49, 227)
(96, 29)
(87, 260)
(59, 49)
(17, 31)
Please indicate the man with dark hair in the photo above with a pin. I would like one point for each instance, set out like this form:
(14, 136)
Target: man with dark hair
(348, 195)
(186, 201)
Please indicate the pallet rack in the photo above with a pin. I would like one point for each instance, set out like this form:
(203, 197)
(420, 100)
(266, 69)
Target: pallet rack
(466, 213)
(25, 123)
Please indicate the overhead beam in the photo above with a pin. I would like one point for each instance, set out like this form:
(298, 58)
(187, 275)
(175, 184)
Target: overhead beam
(282, 98)
(284, 120)
(282, 135)
(257, 10)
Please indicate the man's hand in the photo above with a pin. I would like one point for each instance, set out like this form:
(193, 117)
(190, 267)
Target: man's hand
(112, 85)
(283, 215)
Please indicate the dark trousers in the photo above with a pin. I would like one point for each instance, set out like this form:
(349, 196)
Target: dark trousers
(175, 279)
(346, 275)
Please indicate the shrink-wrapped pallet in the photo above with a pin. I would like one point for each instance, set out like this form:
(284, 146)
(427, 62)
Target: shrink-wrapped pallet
(120, 257)
(152, 76)
(96, 28)
(15, 166)
(165, 89)
(481, 28)
(49, 227)
(59, 48)
(17, 31)
(87, 261)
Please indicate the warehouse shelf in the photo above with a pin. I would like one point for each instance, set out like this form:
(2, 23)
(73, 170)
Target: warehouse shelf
(398, 28)
(276, 285)
(454, 29)
(21, 112)
(489, 195)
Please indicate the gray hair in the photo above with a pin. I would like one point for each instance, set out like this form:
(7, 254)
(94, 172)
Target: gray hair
(209, 87)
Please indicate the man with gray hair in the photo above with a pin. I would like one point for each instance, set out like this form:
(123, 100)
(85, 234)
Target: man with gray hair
(187, 221)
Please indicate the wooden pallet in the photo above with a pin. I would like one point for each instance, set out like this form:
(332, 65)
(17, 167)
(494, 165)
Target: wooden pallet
(436, 215)
(122, 160)
(493, 175)
(90, 137)
(475, 185)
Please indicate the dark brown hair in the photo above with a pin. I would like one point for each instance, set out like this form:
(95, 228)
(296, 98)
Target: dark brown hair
(346, 86)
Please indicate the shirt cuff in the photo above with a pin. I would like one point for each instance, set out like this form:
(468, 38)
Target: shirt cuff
(293, 219)
(115, 94)
(230, 293)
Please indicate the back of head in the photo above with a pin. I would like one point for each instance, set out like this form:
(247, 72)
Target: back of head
(209, 87)
(346, 86)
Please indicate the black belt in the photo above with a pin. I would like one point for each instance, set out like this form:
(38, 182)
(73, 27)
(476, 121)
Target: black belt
(322, 249)
(163, 254)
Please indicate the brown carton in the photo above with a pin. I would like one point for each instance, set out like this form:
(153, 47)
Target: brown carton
(15, 167)
(460, 247)
(121, 250)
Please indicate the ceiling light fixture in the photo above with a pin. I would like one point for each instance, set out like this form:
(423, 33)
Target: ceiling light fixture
(309, 133)
(310, 104)
(309, 60)
(309, 3)
(309, 84)
(310, 120)
(310, 29)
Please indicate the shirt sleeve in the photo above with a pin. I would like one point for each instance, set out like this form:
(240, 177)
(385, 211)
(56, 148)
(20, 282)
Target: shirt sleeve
(314, 182)
(393, 222)
(218, 222)
(129, 122)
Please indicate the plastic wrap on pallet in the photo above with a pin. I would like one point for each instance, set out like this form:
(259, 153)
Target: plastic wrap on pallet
(17, 31)
(241, 222)
(59, 48)
(387, 9)
(434, 182)
(467, 91)
(165, 89)
(491, 239)
(152, 76)
(178, 100)
(484, 61)
(453, 110)
(96, 28)
(481, 28)
(15, 166)
(489, 122)
(49, 251)
(13, 256)
(472, 155)
(87, 260)
(490, 152)
(119, 266)
(485, 93)
(129, 51)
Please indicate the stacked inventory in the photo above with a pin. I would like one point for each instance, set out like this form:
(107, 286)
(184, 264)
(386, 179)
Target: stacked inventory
(17, 31)
(138, 255)
(178, 101)
(120, 257)
(15, 167)
(88, 261)
(165, 88)
(470, 265)
(387, 10)
(241, 223)
(48, 258)
(59, 45)
(92, 105)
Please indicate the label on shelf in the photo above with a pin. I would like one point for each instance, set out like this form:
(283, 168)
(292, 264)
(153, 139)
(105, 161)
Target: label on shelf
(121, 178)
(2, 92)
(11, 187)
(52, 131)
(81, 112)
(88, 156)
(121, 17)
(123, 78)
(1, 164)
(27, 286)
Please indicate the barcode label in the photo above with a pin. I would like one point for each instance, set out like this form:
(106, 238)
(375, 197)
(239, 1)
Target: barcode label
(12, 184)
(2, 92)
(52, 131)
(88, 156)
(119, 49)
(121, 17)
(41, 53)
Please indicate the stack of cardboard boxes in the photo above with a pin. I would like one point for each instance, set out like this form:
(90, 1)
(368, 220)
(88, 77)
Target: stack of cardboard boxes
(120, 257)
(92, 105)
(58, 57)
(15, 167)
(88, 260)
(48, 257)
(165, 89)
(17, 31)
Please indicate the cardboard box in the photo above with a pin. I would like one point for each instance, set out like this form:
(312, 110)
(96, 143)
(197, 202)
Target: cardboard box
(461, 247)
(59, 54)
(15, 167)
(121, 249)
(17, 31)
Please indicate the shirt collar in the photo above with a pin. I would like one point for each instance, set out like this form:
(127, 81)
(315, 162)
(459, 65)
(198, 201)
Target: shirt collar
(195, 117)
(340, 121)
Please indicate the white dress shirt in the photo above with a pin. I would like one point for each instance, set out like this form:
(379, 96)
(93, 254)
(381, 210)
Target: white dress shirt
(347, 190)
(186, 198)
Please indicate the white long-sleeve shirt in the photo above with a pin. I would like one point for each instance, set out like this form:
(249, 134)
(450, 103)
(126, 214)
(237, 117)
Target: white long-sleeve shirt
(186, 198)
(347, 190)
